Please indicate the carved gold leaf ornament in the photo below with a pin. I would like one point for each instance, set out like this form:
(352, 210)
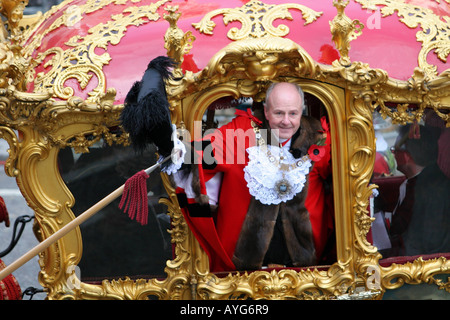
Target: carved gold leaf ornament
(256, 19)
(262, 59)
(441, 284)
(434, 34)
(13, 11)
(80, 61)
(13, 141)
(70, 17)
(12, 65)
(344, 30)
(176, 42)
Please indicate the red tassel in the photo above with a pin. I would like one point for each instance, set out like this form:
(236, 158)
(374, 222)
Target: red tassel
(9, 287)
(4, 216)
(134, 197)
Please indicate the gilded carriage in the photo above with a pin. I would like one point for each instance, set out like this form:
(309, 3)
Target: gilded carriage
(368, 65)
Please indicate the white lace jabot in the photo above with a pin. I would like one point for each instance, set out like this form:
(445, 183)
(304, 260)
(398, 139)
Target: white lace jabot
(273, 175)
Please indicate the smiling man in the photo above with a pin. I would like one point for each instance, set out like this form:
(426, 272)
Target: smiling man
(249, 214)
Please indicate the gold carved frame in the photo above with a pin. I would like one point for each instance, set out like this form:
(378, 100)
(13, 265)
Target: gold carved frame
(350, 91)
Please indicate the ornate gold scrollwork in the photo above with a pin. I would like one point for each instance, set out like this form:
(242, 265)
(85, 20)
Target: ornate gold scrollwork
(256, 18)
(441, 284)
(13, 141)
(413, 97)
(418, 271)
(344, 30)
(275, 285)
(177, 42)
(12, 63)
(81, 61)
(13, 11)
(434, 32)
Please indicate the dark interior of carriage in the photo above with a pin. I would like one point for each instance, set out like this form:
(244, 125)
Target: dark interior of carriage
(114, 246)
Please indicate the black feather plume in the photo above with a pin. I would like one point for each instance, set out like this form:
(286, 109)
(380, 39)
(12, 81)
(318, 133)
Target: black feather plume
(146, 116)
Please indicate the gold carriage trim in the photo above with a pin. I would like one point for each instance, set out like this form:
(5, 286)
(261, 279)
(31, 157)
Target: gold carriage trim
(80, 61)
(434, 33)
(257, 19)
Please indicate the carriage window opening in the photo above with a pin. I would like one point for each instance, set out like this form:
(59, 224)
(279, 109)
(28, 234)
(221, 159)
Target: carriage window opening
(320, 207)
(413, 200)
(113, 244)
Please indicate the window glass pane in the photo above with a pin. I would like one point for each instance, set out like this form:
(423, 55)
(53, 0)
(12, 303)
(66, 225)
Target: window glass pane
(412, 207)
(113, 244)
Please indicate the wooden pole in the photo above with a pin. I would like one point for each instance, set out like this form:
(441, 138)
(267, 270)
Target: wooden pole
(68, 227)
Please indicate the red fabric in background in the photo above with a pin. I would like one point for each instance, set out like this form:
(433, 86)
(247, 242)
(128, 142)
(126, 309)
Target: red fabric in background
(9, 287)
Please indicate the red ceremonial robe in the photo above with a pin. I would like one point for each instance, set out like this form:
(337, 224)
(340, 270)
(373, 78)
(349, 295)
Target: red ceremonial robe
(218, 236)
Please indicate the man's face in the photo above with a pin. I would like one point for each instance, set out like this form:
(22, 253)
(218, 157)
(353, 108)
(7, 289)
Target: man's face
(283, 110)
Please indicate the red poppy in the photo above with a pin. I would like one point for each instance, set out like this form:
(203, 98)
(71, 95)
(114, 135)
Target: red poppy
(316, 152)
